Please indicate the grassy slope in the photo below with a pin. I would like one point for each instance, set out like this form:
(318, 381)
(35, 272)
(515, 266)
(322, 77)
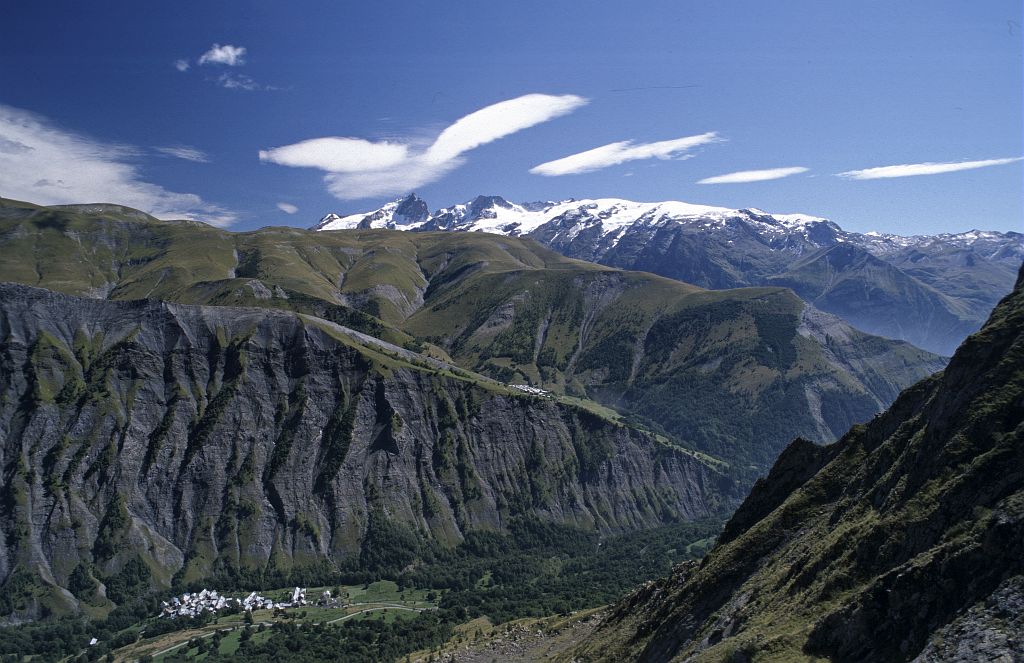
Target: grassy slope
(715, 369)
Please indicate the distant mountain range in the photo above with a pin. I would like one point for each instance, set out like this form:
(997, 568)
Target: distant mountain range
(930, 290)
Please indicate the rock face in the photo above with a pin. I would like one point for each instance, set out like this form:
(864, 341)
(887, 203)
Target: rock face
(992, 630)
(902, 540)
(204, 440)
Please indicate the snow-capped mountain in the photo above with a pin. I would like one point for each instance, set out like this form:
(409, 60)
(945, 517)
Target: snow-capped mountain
(932, 290)
(611, 219)
(404, 214)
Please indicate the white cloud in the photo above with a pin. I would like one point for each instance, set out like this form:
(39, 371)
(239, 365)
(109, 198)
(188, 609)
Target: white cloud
(753, 175)
(43, 164)
(403, 177)
(184, 152)
(358, 168)
(927, 168)
(497, 121)
(181, 65)
(232, 56)
(338, 155)
(621, 152)
(287, 208)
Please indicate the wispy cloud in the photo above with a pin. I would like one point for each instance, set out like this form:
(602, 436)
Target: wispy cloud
(927, 168)
(44, 164)
(358, 168)
(621, 152)
(226, 56)
(287, 208)
(742, 176)
(232, 56)
(241, 82)
(184, 152)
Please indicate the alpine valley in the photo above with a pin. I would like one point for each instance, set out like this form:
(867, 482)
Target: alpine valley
(499, 432)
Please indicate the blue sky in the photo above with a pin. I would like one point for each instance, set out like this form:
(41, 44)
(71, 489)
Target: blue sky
(93, 106)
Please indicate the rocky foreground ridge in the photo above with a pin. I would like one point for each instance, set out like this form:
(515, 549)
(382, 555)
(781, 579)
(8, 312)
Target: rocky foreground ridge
(901, 541)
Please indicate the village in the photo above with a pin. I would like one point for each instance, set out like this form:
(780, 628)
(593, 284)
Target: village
(210, 600)
(533, 391)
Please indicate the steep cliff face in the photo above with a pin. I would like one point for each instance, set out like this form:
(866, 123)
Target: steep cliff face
(202, 440)
(901, 540)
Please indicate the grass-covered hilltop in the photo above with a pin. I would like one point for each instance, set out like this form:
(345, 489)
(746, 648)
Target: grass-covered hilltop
(900, 542)
(467, 436)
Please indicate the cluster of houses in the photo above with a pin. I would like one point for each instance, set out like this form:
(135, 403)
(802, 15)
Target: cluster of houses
(208, 600)
(534, 391)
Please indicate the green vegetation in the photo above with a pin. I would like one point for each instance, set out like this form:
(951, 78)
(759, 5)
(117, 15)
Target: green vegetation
(539, 569)
(536, 569)
(369, 639)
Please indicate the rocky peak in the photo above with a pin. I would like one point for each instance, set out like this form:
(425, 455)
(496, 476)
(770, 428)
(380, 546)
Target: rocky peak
(409, 210)
(327, 220)
(482, 207)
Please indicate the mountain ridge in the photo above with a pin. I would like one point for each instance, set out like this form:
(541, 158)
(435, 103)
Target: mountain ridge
(935, 290)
